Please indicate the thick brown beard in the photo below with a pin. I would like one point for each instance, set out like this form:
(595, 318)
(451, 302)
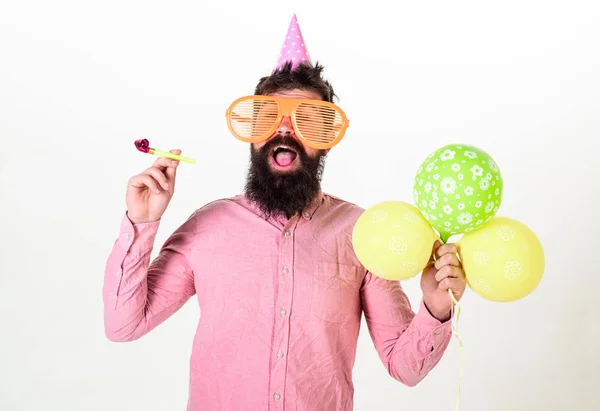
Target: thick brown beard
(286, 193)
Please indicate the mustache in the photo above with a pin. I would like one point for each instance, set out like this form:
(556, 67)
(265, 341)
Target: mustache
(283, 139)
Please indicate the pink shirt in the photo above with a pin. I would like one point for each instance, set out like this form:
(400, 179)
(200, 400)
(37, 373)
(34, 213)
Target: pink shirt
(281, 304)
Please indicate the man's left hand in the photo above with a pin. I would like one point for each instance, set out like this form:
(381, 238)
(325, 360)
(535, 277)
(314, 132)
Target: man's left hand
(439, 276)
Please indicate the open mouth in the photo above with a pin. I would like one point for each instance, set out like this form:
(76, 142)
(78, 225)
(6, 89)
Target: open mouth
(284, 157)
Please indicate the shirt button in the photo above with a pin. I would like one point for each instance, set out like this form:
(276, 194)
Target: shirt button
(282, 312)
(285, 271)
(128, 236)
(287, 233)
(307, 214)
(280, 354)
(276, 396)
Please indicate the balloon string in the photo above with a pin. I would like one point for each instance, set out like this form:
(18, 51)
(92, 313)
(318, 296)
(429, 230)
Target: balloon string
(455, 314)
(454, 327)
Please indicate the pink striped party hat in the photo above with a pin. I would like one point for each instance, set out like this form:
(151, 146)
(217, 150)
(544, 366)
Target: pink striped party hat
(294, 49)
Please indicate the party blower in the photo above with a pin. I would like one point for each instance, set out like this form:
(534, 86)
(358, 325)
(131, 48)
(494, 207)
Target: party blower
(143, 145)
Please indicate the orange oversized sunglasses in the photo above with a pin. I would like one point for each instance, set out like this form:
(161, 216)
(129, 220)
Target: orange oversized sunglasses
(319, 124)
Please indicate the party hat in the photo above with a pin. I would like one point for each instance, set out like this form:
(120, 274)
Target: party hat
(294, 49)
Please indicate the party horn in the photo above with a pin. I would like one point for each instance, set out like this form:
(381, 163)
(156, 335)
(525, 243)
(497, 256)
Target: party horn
(143, 145)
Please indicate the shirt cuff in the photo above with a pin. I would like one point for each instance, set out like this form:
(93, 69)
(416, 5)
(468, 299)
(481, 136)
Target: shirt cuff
(440, 331)
(137, 238)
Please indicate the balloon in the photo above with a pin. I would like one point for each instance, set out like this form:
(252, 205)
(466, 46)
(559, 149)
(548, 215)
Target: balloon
(503, 260)
(393, 240)
(458, 189)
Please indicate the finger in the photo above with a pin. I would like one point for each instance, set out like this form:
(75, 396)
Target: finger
(162, 162)
(447, 259)
(448, 248)
(450, 283)
(448, 272)
(159, 176)
(171, 171)
(145, 180)
(436, 246)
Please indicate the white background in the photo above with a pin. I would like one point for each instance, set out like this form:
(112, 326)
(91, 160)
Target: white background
(80, 81)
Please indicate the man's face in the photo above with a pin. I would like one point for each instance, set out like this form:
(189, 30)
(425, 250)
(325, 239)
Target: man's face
(289, 159)
(285, 174)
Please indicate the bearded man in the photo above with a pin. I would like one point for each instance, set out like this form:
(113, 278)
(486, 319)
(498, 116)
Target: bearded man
(280, 290)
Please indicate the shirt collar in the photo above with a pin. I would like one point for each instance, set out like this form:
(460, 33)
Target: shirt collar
(312, 207)
(307, 213)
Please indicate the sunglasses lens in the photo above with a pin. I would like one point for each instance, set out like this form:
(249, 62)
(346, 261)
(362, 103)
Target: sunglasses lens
(319, 125)
(253, 119)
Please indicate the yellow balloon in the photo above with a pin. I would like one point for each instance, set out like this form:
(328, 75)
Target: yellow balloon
(503, 260)
(393, 240)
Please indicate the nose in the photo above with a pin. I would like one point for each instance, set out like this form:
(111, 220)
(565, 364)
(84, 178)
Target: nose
(285, 126)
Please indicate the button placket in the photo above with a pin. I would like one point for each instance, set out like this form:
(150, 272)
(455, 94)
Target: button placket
(284, 310)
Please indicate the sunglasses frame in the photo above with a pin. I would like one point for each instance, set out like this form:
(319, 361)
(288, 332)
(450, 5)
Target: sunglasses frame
(287, 107)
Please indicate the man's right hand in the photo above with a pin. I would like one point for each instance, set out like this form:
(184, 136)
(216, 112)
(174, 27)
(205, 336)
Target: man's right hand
(149, 193)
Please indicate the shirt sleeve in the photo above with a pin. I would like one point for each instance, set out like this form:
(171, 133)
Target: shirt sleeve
(139, 294)
(409, 344)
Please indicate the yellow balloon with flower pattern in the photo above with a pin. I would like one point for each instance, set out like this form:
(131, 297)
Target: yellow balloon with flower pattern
(503, 260)
(393, 240)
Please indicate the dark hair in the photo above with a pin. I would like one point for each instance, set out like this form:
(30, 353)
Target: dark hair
(304, 77)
